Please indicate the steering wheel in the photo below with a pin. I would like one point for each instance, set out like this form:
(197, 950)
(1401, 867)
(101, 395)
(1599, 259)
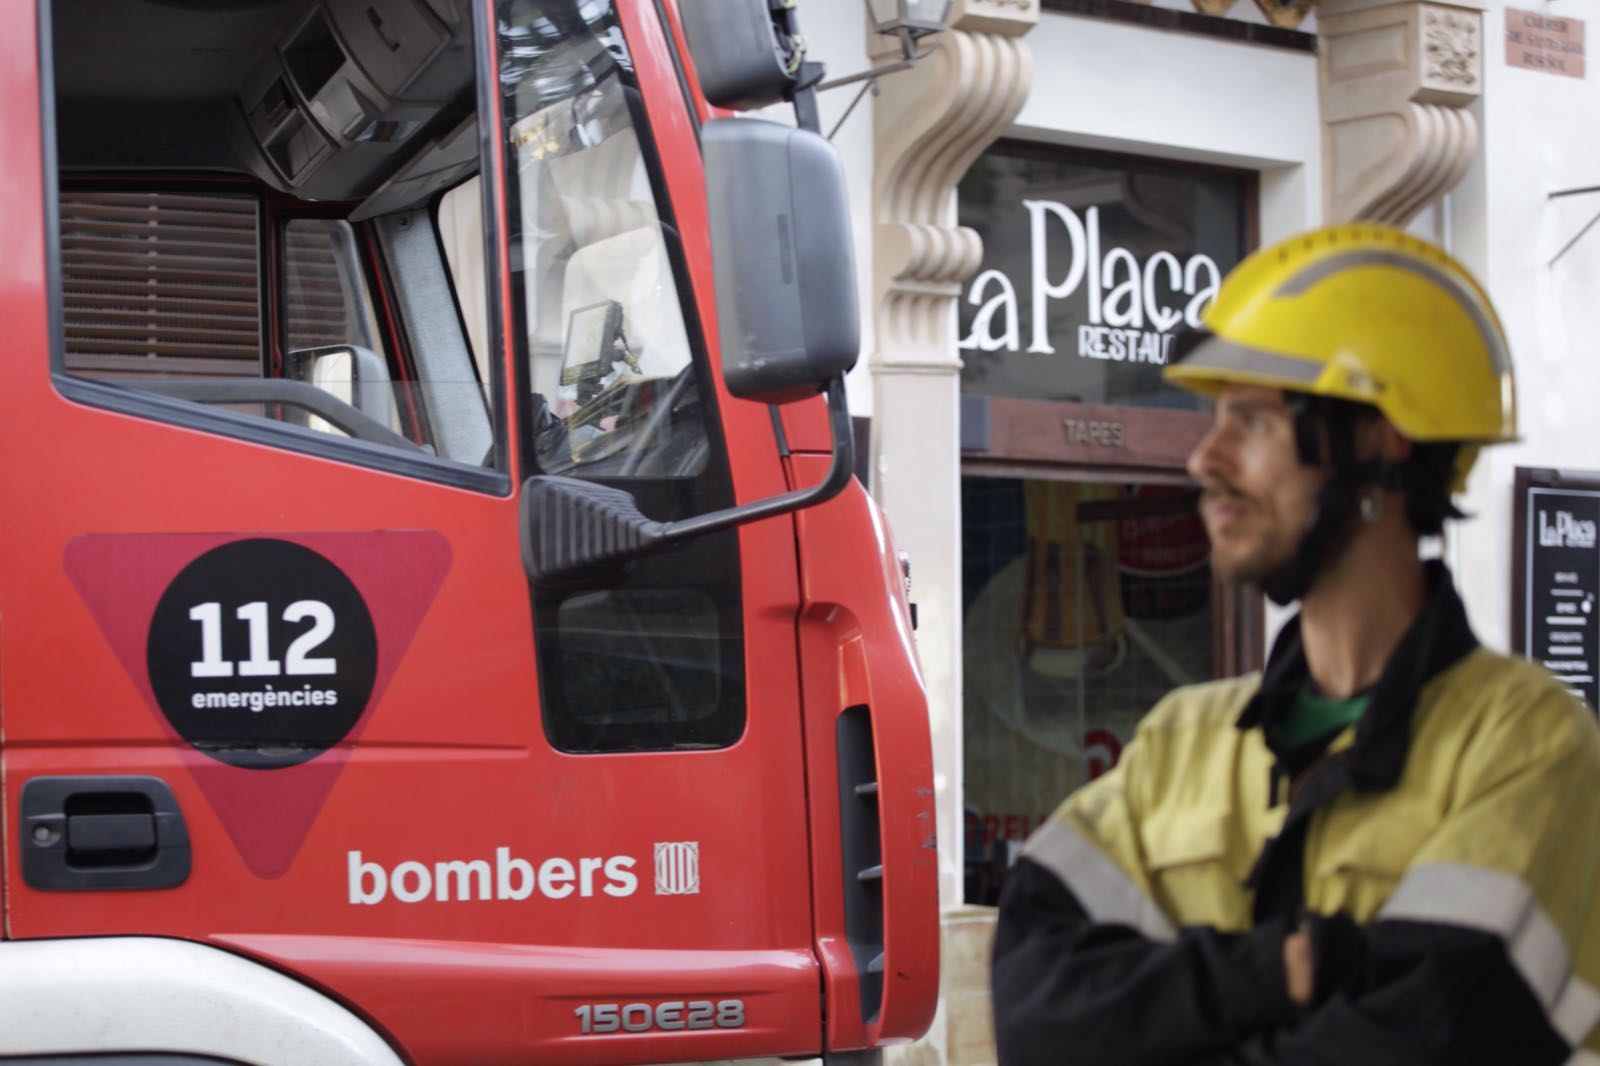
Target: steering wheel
(658, 417)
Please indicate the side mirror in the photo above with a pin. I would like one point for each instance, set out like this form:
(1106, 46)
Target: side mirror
(349, 373)
(736, 53)
(781, 247)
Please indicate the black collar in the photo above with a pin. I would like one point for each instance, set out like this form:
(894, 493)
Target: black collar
(1439, 638)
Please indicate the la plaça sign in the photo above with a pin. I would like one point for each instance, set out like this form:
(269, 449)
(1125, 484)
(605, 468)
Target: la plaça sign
(1133, 307)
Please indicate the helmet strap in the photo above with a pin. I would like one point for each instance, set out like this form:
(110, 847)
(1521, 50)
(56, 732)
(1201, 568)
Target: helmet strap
(1328, 529)
(1325, 436)
(1325, 439)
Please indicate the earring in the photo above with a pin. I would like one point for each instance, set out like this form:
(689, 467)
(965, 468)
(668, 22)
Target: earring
(1371, 508)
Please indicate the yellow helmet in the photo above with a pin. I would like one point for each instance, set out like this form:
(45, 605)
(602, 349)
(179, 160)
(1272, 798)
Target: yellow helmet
(1367, 313)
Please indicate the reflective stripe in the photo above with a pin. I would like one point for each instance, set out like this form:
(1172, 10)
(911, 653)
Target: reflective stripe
(1107, 893)
(1578, 1005)
(1498, 903)
(1226, 355)
(1499, 359)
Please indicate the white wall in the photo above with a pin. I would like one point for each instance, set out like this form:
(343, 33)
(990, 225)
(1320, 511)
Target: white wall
(1127, 88)
(1538, 136)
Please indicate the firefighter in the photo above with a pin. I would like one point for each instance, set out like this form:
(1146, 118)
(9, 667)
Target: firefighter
(1385, 848)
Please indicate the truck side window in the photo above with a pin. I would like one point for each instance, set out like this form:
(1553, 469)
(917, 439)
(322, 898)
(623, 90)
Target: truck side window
(459, 217)
(608, 354)
(160, 285)
(329, 329)
(167, 293)
(325, 299)
(618, 391)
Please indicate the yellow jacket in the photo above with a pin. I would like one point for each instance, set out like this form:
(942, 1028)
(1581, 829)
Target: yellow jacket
(1444, 853)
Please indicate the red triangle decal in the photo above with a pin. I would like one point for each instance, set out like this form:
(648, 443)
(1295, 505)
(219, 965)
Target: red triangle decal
(343, 606)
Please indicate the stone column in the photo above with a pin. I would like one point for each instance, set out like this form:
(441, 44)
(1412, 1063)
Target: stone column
(931, 122)
(1397, 81)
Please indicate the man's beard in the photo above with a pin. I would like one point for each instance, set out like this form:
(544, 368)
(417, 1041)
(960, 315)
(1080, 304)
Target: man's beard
(1256, 563)
(1249, 570)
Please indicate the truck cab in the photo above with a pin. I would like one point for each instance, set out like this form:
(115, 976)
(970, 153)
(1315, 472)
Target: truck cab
(411, 648)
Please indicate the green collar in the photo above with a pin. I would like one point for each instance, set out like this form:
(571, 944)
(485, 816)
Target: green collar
(1312, 717)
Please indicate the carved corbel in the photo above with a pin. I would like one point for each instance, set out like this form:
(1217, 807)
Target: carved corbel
(1397, 80)
(932, 121)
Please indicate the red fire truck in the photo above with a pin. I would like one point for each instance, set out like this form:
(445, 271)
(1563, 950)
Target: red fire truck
(437, 621)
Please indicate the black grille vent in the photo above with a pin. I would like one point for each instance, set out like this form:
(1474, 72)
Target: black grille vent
(161, 283)
(861, 848)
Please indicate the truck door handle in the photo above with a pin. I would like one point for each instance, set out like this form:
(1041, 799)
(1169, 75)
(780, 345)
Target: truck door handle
(102, 833)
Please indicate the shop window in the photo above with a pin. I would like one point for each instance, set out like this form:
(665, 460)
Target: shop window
(1088, 594)
(1084, 604)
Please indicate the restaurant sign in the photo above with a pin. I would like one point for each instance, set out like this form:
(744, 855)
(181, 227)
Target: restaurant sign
(1092, 265)
(1132, 306)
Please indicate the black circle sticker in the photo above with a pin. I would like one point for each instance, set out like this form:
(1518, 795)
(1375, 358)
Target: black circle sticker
(262, 654)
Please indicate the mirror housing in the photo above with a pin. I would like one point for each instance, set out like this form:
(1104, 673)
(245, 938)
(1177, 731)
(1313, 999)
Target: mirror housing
(781, 247)
(736, 53)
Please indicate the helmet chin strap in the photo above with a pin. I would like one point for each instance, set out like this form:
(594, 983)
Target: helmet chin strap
(1327, 531)
(1338, 501)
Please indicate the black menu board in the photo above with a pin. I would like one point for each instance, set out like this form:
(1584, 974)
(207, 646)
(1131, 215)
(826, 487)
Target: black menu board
(1557, 584)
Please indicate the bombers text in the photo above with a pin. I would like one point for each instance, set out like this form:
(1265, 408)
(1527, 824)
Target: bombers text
(507, 877)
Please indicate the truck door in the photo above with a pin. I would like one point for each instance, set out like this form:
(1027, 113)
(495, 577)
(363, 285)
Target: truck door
(274, 675)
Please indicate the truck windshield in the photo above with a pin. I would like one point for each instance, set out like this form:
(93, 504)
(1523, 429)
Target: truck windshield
(609, 360)
(617, 390)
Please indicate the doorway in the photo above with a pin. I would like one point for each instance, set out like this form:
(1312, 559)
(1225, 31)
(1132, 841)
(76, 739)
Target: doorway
(1085, 602)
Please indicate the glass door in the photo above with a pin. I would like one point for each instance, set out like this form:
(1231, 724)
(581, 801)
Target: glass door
(1085, 603)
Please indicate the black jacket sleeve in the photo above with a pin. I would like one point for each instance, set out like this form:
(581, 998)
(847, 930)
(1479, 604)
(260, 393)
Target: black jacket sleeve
(1404, 993)
(1068, 990)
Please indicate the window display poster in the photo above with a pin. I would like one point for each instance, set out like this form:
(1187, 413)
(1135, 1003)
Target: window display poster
(1084, 606)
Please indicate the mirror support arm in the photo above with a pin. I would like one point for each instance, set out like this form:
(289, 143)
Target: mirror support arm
(838, 477)
(574, 528)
